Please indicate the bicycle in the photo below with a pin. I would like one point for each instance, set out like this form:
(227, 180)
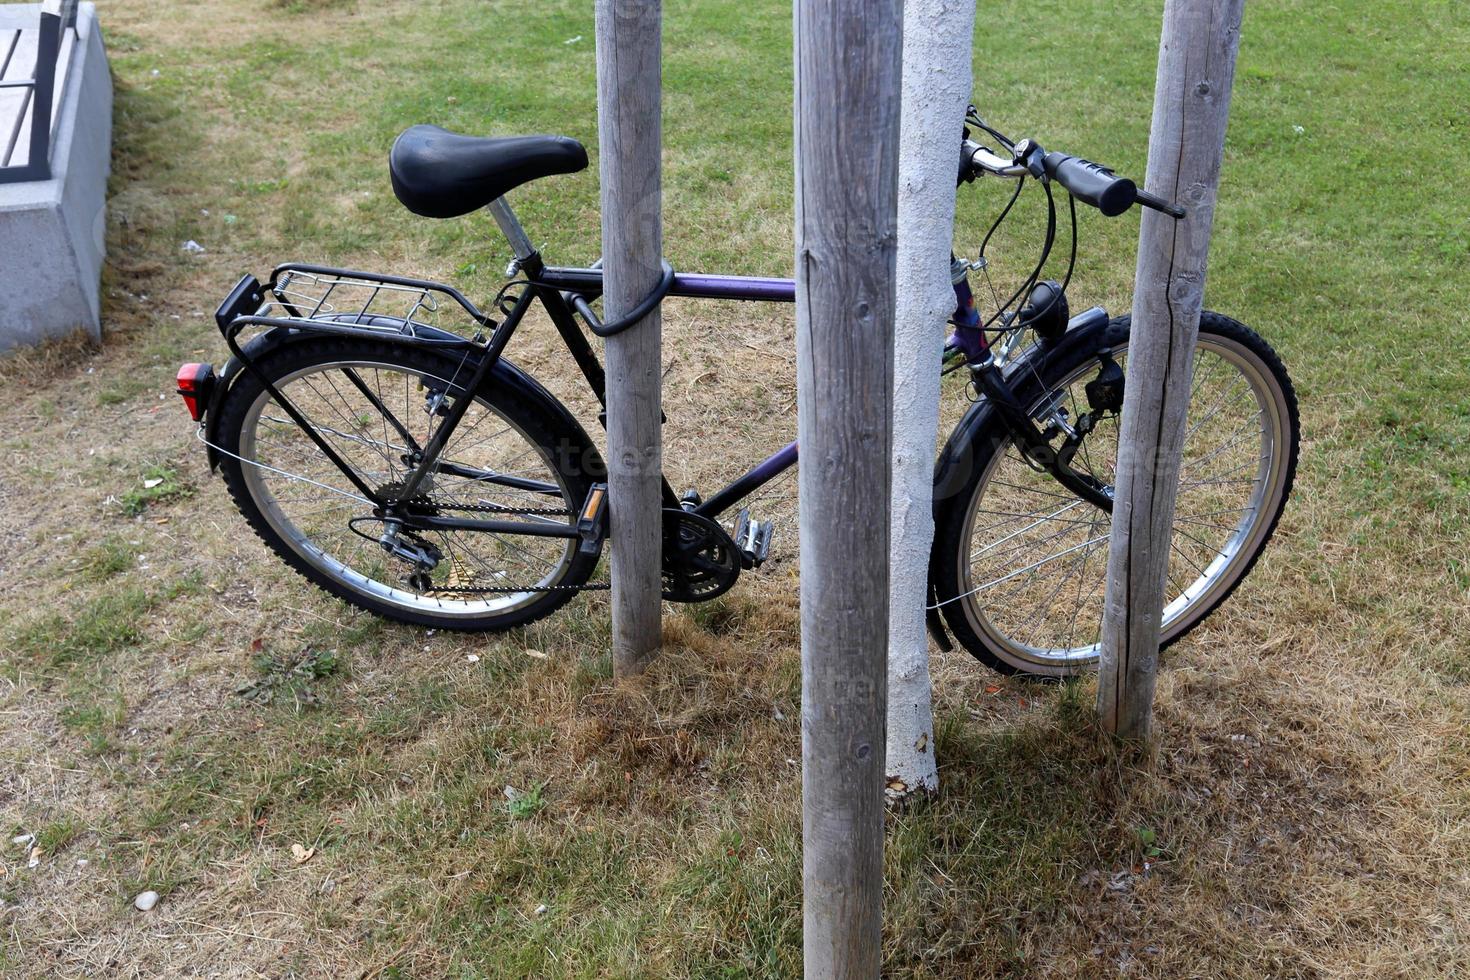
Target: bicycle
(419, 474)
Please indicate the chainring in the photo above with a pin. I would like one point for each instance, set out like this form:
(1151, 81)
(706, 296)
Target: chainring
(700, 560)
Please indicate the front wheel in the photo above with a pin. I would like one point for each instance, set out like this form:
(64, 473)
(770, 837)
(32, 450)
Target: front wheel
(1020, 563)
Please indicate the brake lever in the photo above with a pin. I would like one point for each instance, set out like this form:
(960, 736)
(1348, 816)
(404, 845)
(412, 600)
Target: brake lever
(1030, 155)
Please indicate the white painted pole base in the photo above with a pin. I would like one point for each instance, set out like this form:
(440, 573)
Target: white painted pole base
(936, 89)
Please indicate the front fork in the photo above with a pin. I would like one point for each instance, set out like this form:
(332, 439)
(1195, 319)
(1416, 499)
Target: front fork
(1035, 446)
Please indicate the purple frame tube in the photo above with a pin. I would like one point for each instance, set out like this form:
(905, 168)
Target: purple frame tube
(752, 289)
(748, 288)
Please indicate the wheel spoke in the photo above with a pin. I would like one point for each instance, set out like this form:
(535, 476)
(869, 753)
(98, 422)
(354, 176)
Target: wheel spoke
(1032, 583)
(366, 410)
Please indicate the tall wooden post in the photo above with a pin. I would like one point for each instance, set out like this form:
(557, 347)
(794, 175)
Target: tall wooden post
(847, 117)
(937, 38)
(629, 97)
(1186, 144)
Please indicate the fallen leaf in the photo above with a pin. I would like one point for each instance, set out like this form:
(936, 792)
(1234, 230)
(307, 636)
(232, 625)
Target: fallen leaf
(992, 688)
(537, 654)
(301, 854)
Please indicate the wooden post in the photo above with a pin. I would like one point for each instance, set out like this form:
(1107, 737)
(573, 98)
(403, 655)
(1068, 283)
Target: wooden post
(1186, 144)
(937, 38)
(629, 97)
(847, 125)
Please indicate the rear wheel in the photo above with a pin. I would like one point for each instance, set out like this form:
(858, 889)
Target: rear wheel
(1020, 563)
(376, 404)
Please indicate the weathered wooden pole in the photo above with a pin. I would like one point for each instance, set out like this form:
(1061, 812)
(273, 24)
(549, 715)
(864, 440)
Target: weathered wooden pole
(629, 97)
(1186, 145)
(847, 126)
(937, 38)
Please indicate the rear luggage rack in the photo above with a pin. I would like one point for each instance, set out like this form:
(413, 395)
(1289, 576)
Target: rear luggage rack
(322, 299)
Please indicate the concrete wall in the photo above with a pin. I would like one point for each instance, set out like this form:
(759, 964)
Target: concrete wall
(52, 232)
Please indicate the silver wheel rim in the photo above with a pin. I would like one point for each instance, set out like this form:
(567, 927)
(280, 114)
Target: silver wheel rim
(1223, 515)
(293, 462)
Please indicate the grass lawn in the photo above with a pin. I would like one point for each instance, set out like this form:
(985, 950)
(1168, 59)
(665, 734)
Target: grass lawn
(178, 710)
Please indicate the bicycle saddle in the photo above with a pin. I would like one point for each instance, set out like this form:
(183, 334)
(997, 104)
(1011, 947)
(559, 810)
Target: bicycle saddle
(440, 174)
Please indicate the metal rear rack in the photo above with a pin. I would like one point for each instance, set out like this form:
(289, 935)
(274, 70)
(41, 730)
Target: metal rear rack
(323, 299)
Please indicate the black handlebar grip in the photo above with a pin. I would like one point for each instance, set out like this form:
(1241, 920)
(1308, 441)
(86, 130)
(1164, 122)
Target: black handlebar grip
(1091, 183)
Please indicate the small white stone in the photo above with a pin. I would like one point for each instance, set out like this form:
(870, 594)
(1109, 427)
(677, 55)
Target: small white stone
(81, 862)
(540, 910)
(192, 246)
(472, 658)
(145, 901)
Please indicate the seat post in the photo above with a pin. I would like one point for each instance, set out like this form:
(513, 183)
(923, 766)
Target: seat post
(510, 227)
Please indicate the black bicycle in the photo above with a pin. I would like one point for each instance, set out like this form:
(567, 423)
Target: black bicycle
(374, 434)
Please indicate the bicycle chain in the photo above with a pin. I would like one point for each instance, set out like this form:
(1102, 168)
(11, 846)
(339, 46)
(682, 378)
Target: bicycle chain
(488, 508)
(506, 589)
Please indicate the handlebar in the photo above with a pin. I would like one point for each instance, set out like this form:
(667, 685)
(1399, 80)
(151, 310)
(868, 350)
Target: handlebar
(1091, 183)
(1088, 182)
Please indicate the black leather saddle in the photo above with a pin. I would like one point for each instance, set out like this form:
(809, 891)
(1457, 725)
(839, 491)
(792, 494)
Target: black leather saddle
(440, 174)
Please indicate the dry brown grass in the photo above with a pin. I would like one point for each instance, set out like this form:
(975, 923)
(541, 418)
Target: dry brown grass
(1306, 793)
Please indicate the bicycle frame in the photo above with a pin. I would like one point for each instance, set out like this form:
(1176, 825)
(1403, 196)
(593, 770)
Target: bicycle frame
(555, 284)
(555, 288)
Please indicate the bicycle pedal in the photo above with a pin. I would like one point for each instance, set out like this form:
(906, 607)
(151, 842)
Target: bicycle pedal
(592, 521)
(752, 539)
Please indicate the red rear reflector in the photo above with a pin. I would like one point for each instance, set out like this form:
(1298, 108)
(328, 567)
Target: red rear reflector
(196, 381)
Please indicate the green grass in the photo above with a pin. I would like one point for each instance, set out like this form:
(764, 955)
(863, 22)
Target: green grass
(159, 484)
(1308, 733)
(291, 679)
(105, 623)
(112, 557)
